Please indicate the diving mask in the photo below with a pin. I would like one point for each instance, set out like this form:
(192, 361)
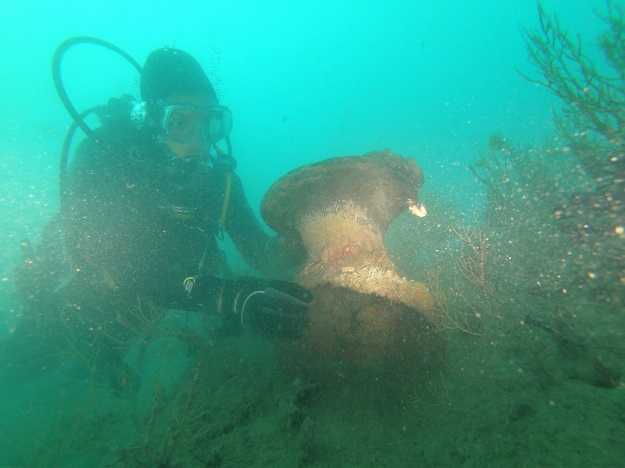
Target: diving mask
(187, 123)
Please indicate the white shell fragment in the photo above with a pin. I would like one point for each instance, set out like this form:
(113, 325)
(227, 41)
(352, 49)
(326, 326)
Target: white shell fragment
(417, 209)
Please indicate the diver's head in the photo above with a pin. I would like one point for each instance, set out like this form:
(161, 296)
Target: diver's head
(182, 103)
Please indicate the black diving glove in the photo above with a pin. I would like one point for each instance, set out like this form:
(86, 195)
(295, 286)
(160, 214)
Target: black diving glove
(271, 307)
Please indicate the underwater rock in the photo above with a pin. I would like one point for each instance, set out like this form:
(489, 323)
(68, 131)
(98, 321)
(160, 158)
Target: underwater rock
(364, 313)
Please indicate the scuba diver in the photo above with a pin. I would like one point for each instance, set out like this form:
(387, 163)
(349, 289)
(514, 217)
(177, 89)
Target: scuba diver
(143, 204)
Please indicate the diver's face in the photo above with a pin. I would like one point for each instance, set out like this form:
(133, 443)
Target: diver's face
(186, 135)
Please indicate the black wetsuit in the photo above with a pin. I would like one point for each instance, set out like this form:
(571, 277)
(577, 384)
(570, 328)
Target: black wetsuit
(144, 220)
(135, 222)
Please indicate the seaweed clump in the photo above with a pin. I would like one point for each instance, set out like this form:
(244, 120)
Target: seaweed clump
(555, 214)
(591, 127)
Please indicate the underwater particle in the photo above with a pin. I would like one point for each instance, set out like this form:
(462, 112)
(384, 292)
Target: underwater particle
(619, 230)
(591, 275)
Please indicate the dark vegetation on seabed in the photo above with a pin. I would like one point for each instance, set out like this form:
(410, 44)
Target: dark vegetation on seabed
(533, 301)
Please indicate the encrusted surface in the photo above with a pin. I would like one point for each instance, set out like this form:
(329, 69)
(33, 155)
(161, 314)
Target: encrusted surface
(382, 182)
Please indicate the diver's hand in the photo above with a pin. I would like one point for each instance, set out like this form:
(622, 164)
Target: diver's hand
(271, 307)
